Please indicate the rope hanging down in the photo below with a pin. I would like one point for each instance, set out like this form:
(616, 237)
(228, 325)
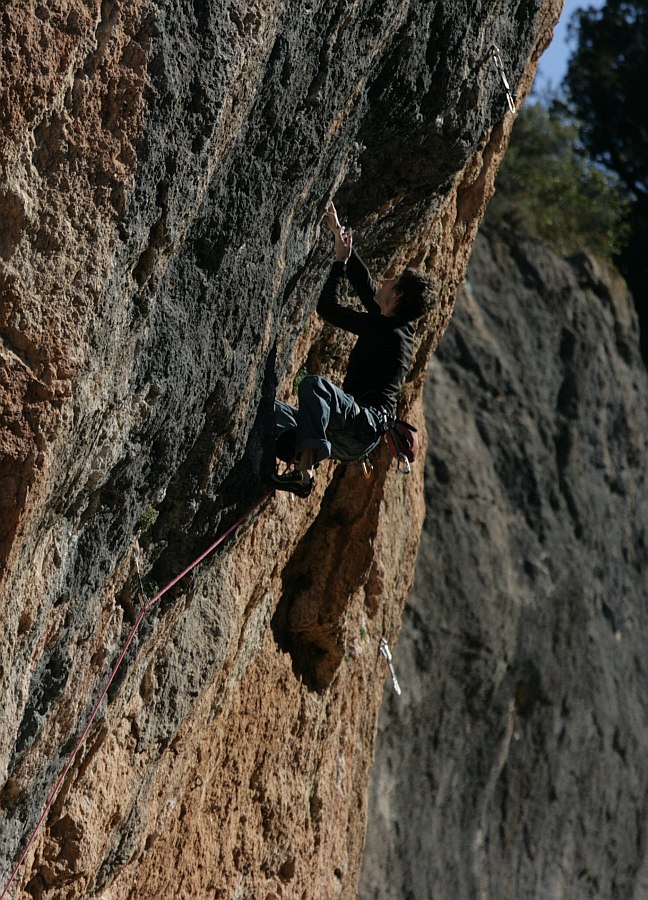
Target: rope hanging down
(147, 606)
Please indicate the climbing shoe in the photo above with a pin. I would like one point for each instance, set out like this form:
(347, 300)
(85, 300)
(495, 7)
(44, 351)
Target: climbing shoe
(294, 482)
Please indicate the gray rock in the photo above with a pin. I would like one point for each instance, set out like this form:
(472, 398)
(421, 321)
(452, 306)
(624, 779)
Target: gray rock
(513, 765)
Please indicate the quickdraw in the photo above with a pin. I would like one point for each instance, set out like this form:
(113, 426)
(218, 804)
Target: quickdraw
(497, 59)
(386, 652)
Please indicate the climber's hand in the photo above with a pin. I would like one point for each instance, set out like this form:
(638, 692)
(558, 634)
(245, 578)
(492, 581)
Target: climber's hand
(331, 217)
(343, 244)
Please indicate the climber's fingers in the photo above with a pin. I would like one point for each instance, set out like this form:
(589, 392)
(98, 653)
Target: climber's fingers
(332, 218)
(343, 244)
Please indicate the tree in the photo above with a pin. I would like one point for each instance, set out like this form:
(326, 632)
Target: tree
(606, 85)
(551, 188)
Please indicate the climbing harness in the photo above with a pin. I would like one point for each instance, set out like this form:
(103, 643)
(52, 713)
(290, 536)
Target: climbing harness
(147, 606)
(386, 652)
(497, 59)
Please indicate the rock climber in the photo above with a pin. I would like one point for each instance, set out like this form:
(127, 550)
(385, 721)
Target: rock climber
(347, 423)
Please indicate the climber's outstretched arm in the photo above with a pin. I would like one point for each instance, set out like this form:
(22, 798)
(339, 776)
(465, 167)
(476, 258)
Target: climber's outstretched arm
(356, 270)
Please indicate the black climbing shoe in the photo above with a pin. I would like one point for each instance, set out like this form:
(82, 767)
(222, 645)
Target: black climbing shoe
(294, 482)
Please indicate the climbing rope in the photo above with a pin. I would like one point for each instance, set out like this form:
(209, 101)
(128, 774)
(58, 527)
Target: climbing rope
(147, 606)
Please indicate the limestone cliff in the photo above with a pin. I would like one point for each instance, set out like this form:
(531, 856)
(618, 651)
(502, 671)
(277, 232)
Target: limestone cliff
(164, 166)
(513, 765)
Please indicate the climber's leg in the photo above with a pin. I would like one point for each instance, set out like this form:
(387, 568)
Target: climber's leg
(322, 407)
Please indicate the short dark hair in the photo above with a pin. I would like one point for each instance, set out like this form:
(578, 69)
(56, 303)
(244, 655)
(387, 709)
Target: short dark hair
(417, 294)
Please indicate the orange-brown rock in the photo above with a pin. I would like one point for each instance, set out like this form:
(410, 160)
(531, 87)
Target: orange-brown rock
(164, 168)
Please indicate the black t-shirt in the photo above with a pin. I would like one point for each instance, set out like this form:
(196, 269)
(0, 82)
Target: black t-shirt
(383, 352)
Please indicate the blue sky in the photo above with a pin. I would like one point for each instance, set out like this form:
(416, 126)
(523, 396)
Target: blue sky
(553, 62)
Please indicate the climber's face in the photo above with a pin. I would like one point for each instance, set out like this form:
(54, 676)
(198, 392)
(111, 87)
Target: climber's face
(388, 296)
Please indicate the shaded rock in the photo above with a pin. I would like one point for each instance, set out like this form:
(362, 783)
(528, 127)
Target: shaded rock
(512, 766)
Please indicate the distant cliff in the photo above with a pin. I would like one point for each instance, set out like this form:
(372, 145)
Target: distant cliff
(513, 765)
(164, 168)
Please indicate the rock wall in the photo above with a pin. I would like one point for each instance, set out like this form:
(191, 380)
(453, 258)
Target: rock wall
(164, 169)
(513, 764)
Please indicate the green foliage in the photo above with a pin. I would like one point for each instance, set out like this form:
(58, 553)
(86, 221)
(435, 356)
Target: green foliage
(606, 88)
(147, 519)
(549, 187)
(299, 377)
(606, 84)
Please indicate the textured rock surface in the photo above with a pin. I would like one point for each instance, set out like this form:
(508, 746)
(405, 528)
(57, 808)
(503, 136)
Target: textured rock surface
(163, 166)
(528, 615)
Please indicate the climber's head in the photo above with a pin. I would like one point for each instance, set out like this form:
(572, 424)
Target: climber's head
(408, 296)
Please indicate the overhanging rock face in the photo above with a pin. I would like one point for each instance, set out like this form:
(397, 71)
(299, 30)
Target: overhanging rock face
(164, 167)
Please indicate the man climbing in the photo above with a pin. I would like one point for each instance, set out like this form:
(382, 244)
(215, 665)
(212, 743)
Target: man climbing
(347, 423)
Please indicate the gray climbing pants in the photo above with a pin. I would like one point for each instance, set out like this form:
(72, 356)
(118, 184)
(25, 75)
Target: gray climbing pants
(330, 422)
